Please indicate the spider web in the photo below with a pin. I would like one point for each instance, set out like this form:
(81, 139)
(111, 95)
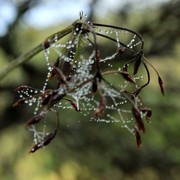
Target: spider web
(76, 57)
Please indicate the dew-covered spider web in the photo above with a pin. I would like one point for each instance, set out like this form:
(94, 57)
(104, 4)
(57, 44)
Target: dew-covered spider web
(93, 70)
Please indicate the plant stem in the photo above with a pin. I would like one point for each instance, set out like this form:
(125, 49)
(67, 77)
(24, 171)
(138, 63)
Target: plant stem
(25, 57)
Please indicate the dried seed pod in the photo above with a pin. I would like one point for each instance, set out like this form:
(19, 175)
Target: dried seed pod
(35, 148)
(147, 111)
(56, 64)
(54, 98)
(18, 102)
(125, 67)
(94, 85)
(127, 76)
(50, 97)
(137, 115)
(46, 96)
(99, 112)
(46, 44)
(160, 81)
(35, 119)
(121, 50)
(148, 114)
(138, 58)
(47, 139)
(74, 105)
(59, 74)
(138, 137)
(24, 88)
(161, 85)
(97, 79)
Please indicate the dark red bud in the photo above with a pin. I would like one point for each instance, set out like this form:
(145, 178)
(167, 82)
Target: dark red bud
(94, 85)
(127, 76)
(125, 67)
(99, 112)
(137, 115)
(138, 137)
(35, 148)
(46, 44)
(161, 85)
(35, 119)
(121, 50)
(54, 98)
(137, 63)
(47, 139)
(147, 111)
(56, 64)
(74, 105)
(18, 102)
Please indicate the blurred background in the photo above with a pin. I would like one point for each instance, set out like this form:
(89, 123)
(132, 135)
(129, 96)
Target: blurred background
(83, 149)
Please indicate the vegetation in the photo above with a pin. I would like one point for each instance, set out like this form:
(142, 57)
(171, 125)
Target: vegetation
(86, 149)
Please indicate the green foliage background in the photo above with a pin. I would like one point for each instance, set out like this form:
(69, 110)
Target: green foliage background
(89, 150)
